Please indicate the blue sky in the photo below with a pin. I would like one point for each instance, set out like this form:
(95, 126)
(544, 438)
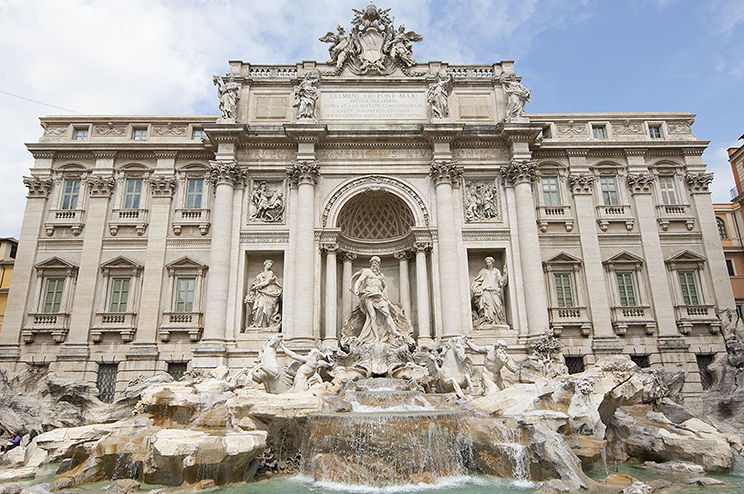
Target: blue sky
(158, 56)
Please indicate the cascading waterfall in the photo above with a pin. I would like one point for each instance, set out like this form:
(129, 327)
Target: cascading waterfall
(509, 439)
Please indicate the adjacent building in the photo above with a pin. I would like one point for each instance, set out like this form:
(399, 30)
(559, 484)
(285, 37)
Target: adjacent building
(145, 239)
(8, 251)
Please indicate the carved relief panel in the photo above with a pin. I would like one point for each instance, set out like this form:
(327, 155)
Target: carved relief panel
(267, 202)
(481, 201)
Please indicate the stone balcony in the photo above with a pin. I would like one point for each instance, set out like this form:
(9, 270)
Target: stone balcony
(614, 214)
(562, 317)
(554, 214)
(56, 324)
(633, 315)
(65, 218)
(183, 322)
(191, 217)
(136, 218)
(123, 323)
(688, 315)
(669, 213)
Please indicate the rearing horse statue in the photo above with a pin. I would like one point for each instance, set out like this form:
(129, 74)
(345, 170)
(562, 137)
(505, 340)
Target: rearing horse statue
(453, 369)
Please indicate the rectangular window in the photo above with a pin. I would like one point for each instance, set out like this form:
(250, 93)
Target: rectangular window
(70, 194)
(730, 267)
(641, 361)
(575, 364)
(185, 294)
(177, 369)
(668, 197)
(546, 133)
(654, 131)
(106, 382)
(563, 289)
(689, 287)
(132, 194)
(609, 191)
(599, 132)
(194, 190)
(80, 134)
(139, 134)
(53, 295)
(198, 134)
(707, 379)
(119, 295)
(626, 289)
(551, 196)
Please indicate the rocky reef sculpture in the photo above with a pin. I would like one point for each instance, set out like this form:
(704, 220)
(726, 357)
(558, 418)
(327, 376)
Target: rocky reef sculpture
(488, 295)
(373, 46)
(264, 299)
(229, 94)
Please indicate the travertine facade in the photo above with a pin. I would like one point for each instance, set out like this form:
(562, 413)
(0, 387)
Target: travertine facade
(145, 239)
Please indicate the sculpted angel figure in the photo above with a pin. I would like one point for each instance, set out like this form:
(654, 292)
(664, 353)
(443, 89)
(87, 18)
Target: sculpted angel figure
(344, 44)
(399, 45)
(376, 319)
(228, 94)
(437, 95)
(488, 294)
(306, 94)
(496, 359)
(263, 297)
(517, 95)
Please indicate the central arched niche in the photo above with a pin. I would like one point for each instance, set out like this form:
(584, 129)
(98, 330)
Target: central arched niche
(375, 215)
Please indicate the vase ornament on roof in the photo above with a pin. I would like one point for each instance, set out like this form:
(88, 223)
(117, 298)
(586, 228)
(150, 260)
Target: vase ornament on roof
(374, 46)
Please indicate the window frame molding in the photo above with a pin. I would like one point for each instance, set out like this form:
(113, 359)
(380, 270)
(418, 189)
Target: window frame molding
(690, 314)
(624, 316)
(123, 323)
(132, 218)
(199, 218)
(608, 214)
(562, 317)
(552, 214)
(185, 322)
(55, 323)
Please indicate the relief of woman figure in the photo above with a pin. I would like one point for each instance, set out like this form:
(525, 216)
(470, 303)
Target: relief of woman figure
(263, 297)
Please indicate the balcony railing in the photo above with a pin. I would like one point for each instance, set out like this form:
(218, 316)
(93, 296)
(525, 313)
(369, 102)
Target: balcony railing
(737, 191)
(71, 218)
(191, 217)
(614, 214)
(136, 218)
(561, 317)
(632, 315)
(687, 315)
(668, 213)
(183, 322)
(57, 324)
(123, 323)
(554, 214)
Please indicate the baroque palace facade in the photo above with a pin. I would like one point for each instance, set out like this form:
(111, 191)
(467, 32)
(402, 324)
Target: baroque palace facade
(145, 239)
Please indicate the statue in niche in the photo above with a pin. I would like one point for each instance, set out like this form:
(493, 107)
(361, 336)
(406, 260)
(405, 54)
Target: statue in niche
(496, 359)
(306, 94)
(488, 295)
(517, 96)
(307, 373)
(398, 44)
(480, 201)
(376, 318)
(228, 94)
(265, 205)
(344, 45)
(437, 94)
(264, 297)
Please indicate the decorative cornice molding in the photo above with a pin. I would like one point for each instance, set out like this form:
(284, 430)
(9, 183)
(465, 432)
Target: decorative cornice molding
(693, 151)
(42, 155)
(38, 187)
(101, 186)
(281, 237)
(640, 183)
(445, 172)
(226, 173)
(698, 183)
(165, 154)
(635, 152)
(581, 184)
(577, 152)
(303, 172)
(99, 155)
(162, 186)
(520, 171)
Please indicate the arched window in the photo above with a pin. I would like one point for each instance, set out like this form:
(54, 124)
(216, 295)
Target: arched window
(721, 228)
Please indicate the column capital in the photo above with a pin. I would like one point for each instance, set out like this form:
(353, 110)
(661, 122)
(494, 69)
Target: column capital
(330, 248)
(162, 186)
(303, 172)
(520, 171)
(581, 184)
(698, 182)
(345, 255)
(445, 172)
(226, 172)
(402, 255)
(38, 187)
(421, 246)
(101, 186)
(640, 183)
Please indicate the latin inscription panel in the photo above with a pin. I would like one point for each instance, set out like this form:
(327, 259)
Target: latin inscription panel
(389, 105)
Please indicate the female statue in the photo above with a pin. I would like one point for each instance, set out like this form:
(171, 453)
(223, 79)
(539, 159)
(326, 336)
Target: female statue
(264, 296)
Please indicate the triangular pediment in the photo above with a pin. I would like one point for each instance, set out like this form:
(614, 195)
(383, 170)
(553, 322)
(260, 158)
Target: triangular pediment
(121, 262)
(686, 256)
(185, 263)
(624, 257)
(55, 263)
(563, 258)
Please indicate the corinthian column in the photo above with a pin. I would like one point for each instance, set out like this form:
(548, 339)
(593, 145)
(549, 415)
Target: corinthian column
(445, 174)
(224, 176)
(425, 336)
(330, 337)
(520, 174)
(346, 299)
(304, 174)
(405, 295)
